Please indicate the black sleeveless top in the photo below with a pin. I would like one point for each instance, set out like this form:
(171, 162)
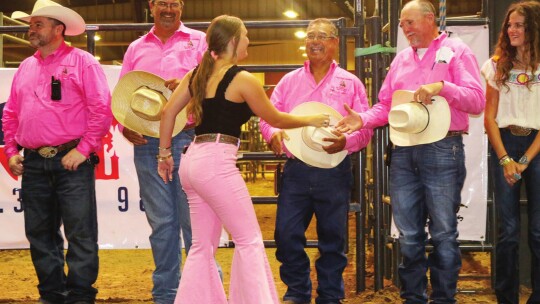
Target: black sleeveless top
(220, 115)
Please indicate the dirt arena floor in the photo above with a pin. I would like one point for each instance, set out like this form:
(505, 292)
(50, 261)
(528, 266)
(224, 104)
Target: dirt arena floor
(125, 275)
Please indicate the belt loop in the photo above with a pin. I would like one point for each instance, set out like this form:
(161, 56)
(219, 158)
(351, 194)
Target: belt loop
(218, 137)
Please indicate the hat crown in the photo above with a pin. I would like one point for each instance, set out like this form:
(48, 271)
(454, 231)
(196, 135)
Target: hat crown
(414, 123)
(73, 22)
(411, 117)
(147, 103)
(314, 137)
(43, 3)
(138, 100)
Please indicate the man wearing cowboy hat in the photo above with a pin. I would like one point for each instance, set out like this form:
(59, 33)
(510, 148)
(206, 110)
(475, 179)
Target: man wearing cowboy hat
(58, 111)
(427, 171)
(317, 177)
(169, 51)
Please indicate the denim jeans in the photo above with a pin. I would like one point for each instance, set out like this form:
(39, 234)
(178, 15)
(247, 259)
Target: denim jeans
(52, 196)
(508, 209)
(325, 193)
(167, 212)
(425, 183)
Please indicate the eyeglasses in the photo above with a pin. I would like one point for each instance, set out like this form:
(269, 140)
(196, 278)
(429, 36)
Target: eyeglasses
(165, 5)
(312, 37)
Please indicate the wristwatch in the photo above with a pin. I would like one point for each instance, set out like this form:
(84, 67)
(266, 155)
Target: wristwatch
(524, 160)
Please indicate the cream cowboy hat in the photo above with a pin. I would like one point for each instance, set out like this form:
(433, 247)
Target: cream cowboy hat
(413, 123)
(75, 24)
(307, 143)
(137, 101)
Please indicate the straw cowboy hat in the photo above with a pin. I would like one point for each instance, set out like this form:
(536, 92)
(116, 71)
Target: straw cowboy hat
(413, 123)
(74, 23)
(137, 102)
(307, 143)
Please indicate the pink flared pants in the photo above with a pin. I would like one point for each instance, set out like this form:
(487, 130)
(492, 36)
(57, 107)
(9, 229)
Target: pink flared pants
(218, 196)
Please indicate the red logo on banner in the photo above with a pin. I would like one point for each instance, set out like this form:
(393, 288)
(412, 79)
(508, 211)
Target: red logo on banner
(5, 163)
(104, 166)
(107, 143)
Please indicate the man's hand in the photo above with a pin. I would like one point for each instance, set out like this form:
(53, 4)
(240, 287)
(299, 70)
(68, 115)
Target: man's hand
(134, 137)
(427, 91)
(171, 84)
(15, 165)
(349, 123)
(338, 144)
(276, 142)
(72, 160)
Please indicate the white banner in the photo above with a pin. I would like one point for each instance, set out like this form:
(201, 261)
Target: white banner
(473, 212)
(121, 219)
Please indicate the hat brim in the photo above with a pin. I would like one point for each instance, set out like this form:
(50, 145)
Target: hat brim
(298, 147)
(75, 24)
(121, 103)
(439, 121)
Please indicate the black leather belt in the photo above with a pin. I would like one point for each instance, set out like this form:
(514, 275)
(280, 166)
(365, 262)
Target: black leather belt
(519, 131)
(217, 137)
(51, 151)
(455, 133)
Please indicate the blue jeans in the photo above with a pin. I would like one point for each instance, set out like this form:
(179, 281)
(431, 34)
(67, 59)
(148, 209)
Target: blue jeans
(508, 209)
(167, 212)
(52, 196)
(326, 193)
(425, 183)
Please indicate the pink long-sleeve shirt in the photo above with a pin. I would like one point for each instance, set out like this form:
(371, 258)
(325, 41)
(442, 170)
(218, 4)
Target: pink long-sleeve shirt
(462, 89)
(32, 120)
(181, 52)
(337, 88)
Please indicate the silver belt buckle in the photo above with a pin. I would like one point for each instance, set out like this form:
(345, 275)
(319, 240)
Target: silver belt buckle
(47, 152)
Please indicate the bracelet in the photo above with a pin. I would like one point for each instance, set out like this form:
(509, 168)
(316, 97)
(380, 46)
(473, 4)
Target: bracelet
(524, 160)
(163, 158)
(505, 160)
(164, 149)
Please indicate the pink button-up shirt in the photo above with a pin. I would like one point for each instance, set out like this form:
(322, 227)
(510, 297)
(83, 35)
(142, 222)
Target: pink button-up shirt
(462, 86)
(181, 52)
(335, 89)
(31, 119)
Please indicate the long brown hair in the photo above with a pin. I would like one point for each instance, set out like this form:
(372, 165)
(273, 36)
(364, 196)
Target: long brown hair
(505, 53)
(221, 30)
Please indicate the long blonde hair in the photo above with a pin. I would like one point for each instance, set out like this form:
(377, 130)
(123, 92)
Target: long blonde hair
(220, 32)
(505, 53)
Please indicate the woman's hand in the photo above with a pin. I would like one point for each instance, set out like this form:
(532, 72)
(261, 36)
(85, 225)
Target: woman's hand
(512, 172)
(320, 120)
(165, 168)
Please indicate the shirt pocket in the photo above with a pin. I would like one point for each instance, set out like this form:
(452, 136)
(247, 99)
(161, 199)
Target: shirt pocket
(183, 60)
(70, 87)
(438, 72)
(337, 95)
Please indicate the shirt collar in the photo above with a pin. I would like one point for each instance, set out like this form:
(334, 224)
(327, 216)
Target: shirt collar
(182, 30)
(333, 66)
(60, 50)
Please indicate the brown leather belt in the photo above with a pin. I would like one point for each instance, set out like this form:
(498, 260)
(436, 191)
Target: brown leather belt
(519, 131)
(51, 151)
(218, 138)
(456, 133)
(189, 127)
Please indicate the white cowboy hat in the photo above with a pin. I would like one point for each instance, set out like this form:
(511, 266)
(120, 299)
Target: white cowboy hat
(414, 123)
(306, 143)
(75, 24)
(137, 101)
